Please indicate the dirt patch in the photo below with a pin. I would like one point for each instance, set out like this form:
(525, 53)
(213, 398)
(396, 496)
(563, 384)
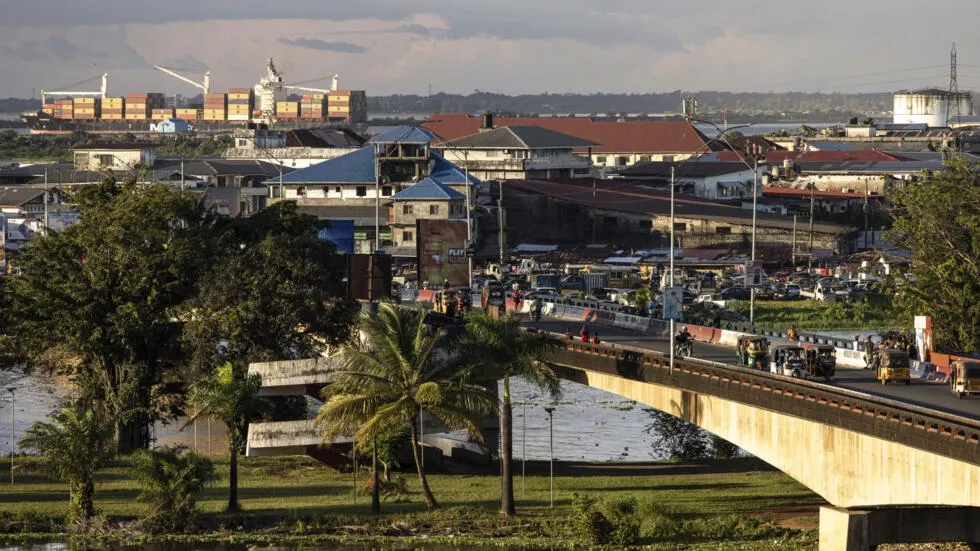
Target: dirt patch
(794, 517)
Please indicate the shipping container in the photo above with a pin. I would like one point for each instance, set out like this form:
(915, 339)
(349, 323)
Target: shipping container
(111, 117)
(594, 280)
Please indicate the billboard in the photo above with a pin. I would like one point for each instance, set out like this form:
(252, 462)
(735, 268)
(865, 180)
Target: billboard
(341, 234)
(441, 252)
(368, 276)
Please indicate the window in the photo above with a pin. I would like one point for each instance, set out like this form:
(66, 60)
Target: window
(601, 160)
(680, 226)
(668, 158)
(407, 209)
(433, 210)
(646, 224)
(300, 191)
(723, 229)
(644, 159)
(362, 191)
(386, 191)
(622, 161)
(407, 236)
(106, 160)
(326, 190)
(337, 189)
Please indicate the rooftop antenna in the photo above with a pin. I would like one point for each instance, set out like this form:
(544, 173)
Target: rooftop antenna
(954, 89)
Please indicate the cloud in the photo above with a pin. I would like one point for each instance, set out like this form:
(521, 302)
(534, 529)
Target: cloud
(52, 48)
(322, 45)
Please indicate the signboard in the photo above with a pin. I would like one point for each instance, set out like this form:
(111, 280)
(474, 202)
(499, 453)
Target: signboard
(441, 252)
(923, 336)
(673, 302)
(341, 234)
(368, 276)
(753, 273)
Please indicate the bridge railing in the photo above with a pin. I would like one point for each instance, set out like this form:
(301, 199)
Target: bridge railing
(934, 431)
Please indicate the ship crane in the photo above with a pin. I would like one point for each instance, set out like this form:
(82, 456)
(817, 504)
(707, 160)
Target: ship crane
(333, 85)
(101, 93)
(204, 86)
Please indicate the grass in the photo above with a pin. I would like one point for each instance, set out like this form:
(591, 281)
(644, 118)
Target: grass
(295, 497)
(814, 315)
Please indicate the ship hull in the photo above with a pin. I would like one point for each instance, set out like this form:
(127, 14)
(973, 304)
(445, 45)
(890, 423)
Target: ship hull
(41, 123)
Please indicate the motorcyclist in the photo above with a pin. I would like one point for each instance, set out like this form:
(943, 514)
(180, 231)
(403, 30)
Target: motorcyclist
(683, 336)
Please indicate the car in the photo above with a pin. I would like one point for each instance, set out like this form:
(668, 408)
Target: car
(793, 292)
(735, 293)
(544, 292)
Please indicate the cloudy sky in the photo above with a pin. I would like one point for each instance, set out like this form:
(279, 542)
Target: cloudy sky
(507, 46)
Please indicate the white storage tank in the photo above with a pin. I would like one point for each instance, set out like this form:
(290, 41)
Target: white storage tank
(932, 106)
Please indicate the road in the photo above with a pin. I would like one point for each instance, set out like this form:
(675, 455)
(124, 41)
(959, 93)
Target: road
(921, 393)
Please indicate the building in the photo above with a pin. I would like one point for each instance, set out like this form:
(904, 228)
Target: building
(428, 199)
(113, 156)
(715, 180)
(27, 202)
(621, 144)
(635, 217)
(520, 152)
(299, 148)
(931, 106)
(360, 185)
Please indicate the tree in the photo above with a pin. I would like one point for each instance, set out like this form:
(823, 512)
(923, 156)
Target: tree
(938, 221)
(275, 292)
(71, 447)
(97, 300)
(499, 349)
(390, 377)
(677, 438)
(171, 479)
(234, 401)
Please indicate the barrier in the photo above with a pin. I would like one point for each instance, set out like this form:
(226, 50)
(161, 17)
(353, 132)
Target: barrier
(634, 323)
(426, 295)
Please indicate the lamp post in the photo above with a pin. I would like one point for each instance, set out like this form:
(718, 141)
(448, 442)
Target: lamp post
(551, 452)
(524, 439)
(671, 277)
(13, 441)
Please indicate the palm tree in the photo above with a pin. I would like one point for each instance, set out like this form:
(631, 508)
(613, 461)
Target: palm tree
(390, 376)
(500, 349)
(71, 447)
(233, 400)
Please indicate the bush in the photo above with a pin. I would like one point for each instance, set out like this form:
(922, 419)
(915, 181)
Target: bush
(723, 449)
(622, 514)
(677, 438)
(589, 523)
(171, 479)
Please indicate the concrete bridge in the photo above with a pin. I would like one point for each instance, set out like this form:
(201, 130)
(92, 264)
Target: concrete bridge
(892, 472)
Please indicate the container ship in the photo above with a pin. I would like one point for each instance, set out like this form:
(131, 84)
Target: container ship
(266, 103)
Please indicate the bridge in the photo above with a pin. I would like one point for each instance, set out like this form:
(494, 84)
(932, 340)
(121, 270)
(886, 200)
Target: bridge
(896, 464)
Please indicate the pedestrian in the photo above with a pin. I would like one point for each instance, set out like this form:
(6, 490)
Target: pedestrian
(595, 338)
(584, 333)
(568, 333)
(792, 335)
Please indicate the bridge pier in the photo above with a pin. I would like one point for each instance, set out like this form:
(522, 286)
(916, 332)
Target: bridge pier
(865, 529)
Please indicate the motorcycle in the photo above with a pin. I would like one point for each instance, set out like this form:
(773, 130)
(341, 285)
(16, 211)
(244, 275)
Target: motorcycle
(684, 349)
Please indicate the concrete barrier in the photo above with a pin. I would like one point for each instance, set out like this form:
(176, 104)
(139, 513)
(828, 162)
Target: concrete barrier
(635, 323)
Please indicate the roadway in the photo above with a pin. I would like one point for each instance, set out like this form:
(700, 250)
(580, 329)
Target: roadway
(936, 396)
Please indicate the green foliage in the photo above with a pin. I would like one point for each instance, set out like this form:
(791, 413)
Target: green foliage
(677, 438)
(390, 377)
(70, 447)
(623, 515)
(641, 297)
(614, 522)
(721, 448)
(938, 221)
(58, 147)
(233, 400)
(874, 312)
(170, 480)
(97, 300)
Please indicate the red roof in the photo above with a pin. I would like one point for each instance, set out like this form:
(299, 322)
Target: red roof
(861, 156)
(615, 137)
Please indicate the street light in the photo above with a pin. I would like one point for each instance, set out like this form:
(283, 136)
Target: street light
(13, 441)
(551, 452)
(524, 438)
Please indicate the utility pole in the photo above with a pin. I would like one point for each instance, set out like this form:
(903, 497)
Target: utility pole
(794, 243)
(670, 337)
(47, 220)
(500, 222)
(377, 199)
(813, 188)
(593, 210)
(866, 214)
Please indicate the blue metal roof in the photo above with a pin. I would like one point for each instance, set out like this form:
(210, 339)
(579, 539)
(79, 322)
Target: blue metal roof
(427, 189)
(447, 173)
(404, 134)
(356, 167)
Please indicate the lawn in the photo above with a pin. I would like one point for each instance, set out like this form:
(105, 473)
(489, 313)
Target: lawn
(814, 315)
(297, 497)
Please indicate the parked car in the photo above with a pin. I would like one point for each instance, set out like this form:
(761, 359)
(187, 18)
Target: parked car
(735, 293)
(544, 292)
(572, 282)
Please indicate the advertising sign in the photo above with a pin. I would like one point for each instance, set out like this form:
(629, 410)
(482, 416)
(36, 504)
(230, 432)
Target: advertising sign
(341, 234)
(673, 302)
(368, 276)
(923, 336)
(441, 251)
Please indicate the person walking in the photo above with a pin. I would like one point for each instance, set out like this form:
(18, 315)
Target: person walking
(792, 334)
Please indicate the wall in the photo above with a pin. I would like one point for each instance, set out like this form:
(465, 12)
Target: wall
(701, 232)
(612, 159)
(402, 222)
(348, 192)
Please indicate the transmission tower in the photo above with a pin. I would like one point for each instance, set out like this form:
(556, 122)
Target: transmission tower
(953, 110)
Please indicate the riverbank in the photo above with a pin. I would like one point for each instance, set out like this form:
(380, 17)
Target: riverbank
(297, 500)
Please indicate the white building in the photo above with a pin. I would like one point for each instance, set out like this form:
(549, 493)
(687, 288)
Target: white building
(113, 156)
(716, 180)
(519, 153)
(932, 107)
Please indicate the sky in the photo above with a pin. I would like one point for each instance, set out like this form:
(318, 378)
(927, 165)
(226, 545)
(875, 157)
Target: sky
(506, 46)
